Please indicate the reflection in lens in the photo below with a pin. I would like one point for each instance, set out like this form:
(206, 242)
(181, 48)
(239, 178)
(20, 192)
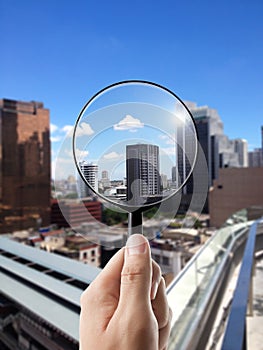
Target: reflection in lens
(134, 145)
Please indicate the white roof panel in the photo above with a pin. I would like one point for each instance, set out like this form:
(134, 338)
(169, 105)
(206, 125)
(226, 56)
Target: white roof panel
(51, 311)
(67, 266)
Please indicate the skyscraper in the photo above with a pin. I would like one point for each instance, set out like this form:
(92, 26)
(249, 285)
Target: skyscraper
(185, 154)
(221, 150)
(143, 173)
(174, 174)
(90, 172)
(105, 181)
(241, 149)
(208, 127)
(105, 174)
(24, 165)
(254, 158)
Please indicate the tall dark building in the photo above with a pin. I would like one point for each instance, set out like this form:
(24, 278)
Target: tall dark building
(24, 165)
(204, 136)
(262, 143)
(185, 154)
(255, 158)
(174, 174)
(209, 145)
(214, 157)
(143, 173)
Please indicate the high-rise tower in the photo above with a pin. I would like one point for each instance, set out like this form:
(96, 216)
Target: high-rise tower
(24, 165)
(90, 172)
(241, 149)
(185, 149)
(143, 173)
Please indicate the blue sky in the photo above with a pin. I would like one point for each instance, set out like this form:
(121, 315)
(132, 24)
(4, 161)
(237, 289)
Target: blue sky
(63, 52)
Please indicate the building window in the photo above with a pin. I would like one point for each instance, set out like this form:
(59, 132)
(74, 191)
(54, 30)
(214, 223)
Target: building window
(166, 261)
(84, 255)
(156, 258)
(93, 252)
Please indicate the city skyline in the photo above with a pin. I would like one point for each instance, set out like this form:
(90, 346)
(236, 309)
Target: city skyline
(131, 113)
(142, 176)
(220, 67)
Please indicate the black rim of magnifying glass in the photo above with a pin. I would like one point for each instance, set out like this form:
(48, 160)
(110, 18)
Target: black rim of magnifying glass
(132, 208)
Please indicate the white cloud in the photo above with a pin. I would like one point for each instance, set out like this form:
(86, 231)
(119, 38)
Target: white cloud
(67, 128)
(55, 138)
(62, 168)
(167, 139)
(129, 123)
(112, 155)
(169, 150)
(57, 132)
(80, 154)
(84, 129)
(53, 128)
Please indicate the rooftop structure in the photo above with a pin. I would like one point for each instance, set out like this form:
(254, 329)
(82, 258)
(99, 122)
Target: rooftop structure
(45, 289)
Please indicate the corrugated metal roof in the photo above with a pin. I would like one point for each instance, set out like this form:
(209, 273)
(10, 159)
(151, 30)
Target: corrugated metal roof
(48, 297)
(49, 283)
(53, 312)
(72, 268)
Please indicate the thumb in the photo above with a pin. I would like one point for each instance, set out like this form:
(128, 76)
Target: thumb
(136, 275)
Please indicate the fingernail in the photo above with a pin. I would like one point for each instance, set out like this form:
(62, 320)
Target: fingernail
(154, 290)
(136, 244)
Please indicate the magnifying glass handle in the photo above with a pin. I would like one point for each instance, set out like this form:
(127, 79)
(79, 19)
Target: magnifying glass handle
(135, 222)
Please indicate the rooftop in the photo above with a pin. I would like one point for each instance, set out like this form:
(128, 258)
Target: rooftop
(47, 284)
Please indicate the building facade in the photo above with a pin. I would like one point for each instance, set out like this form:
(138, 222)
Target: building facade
(241, 149)
(90, 172)
(235, 189)
(24, 165)
(143, 173)
(255, 158)
(72, 213)
(185, 149)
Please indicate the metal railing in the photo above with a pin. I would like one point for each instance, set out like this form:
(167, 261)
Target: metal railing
(194, 292)
(197, 293)
(235, 334)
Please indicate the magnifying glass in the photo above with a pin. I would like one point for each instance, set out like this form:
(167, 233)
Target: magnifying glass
(134, 146)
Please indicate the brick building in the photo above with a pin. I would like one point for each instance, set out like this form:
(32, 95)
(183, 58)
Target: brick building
(73, 213)
(24, 165)
(235, 189)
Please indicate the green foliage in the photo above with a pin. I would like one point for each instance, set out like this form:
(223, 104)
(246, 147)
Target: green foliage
(111, 217)
(175, 225)
(197, 224)
(150, 213)
(72, 195)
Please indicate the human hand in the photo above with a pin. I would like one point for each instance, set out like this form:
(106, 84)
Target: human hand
(125, 307)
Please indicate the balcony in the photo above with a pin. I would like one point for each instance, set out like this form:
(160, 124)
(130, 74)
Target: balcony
(204, 295)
